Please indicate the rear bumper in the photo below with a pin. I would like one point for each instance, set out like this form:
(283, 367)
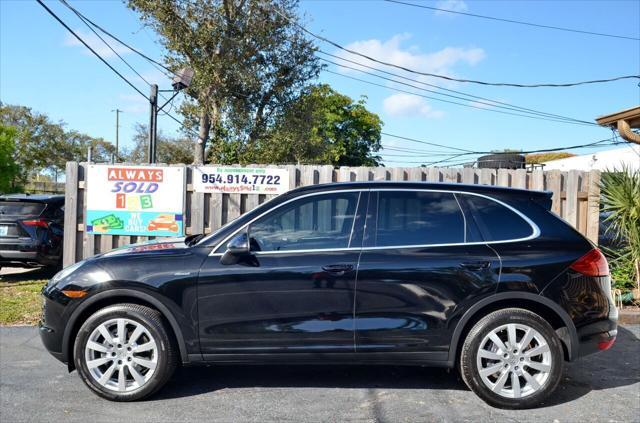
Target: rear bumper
(599, 335)
(24, 254)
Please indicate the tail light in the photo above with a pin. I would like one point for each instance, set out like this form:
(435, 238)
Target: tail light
(594, 263)
(40, 223)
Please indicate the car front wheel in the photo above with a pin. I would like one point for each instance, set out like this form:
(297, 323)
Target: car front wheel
(123, 352)
(512, 358)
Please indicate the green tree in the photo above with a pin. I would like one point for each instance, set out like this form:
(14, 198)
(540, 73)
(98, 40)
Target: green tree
(43, 145)
(621, 199)
(321, 126)
(249, 58)
(169, 150)
(38, 140)
(9, 170)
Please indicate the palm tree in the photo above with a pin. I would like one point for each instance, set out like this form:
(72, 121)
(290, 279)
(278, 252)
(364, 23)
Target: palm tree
(620, 197)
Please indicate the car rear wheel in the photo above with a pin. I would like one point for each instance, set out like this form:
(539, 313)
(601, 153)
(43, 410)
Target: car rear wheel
(512, 358)
(124, 353)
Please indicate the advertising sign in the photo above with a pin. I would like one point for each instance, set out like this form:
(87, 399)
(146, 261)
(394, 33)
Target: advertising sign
(240, 180)
(135, 200)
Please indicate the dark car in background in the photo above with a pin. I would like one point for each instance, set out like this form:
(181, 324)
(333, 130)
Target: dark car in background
(483, 279)
(31, 230)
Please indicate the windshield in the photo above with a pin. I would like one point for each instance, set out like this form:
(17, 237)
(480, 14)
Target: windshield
(203, 240)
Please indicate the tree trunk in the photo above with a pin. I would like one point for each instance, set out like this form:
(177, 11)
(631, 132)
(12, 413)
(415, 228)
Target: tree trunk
(203, 137)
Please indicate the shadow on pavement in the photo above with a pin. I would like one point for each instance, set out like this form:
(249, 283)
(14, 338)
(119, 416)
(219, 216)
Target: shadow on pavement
(617, 367)
(27, 274)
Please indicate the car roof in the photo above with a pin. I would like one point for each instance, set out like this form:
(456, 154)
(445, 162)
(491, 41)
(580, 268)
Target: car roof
(33, 198)
(486, 189)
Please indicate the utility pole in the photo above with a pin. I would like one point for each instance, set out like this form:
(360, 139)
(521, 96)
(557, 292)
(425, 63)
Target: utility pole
(153, 123)
(118, 111)
(181, 81)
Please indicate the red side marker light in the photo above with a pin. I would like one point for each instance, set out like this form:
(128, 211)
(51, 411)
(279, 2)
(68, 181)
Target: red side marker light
(605, 345)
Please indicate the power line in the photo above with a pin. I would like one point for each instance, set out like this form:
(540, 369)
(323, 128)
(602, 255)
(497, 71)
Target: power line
(423, 142)
(452, 102)
(155, 63)
(454, 156)
(109, 34)
(449, 78)
(81, 17)
(92, 50)
(110, 67)
(600, 143)
(493, 18)
(514, 107)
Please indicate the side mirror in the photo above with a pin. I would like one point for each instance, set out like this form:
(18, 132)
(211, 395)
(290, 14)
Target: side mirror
(236, 248)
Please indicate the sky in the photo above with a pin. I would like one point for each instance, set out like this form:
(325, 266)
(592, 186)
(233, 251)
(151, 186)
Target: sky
(43, 67)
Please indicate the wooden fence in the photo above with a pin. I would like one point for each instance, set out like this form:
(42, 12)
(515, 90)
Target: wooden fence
(576, 196)
(44, 187)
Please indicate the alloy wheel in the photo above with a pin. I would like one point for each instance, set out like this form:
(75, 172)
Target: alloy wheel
(121, 355)
(514, 360)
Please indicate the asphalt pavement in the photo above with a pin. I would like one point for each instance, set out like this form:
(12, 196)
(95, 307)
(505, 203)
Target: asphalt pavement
(35, 387)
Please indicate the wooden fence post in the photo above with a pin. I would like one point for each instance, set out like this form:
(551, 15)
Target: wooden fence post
(70, 214)
(593, 206)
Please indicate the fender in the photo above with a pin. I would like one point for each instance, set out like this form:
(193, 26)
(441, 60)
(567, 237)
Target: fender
(124, 293)
(572, 344)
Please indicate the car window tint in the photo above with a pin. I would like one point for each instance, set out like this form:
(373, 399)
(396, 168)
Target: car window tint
(316, 222)
(418, 218)
(20, 208)
(495, 221)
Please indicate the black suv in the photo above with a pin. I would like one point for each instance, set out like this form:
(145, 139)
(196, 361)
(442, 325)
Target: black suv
(481, 278)
(31, 230)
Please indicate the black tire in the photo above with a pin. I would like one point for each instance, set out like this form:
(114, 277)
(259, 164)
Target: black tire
(151, 320)
(468, 363)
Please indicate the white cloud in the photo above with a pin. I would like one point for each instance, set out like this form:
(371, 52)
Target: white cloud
(407, 105)
(95, 44)
(439, 62)
(133, 103)
(453, 5)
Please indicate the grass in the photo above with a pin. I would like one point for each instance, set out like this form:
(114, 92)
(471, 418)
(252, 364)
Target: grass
(20, 299)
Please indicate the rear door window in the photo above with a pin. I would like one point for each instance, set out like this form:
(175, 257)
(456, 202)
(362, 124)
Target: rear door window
(20, 208)
(407, 218)
(495, 221)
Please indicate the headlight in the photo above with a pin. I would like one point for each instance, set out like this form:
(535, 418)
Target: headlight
(64, 273)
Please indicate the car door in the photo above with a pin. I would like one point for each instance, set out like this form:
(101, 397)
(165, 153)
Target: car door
(418, 269)
(294, 291)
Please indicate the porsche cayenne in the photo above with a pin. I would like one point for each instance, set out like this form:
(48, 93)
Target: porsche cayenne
(483, 279)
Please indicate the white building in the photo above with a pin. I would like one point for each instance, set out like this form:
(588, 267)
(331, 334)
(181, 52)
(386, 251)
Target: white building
(602, 160)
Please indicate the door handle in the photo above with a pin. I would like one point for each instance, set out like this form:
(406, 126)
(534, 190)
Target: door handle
(337, 269)
(476, 265)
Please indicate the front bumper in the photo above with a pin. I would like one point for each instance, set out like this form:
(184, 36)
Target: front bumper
(51, 340)
(53, 323)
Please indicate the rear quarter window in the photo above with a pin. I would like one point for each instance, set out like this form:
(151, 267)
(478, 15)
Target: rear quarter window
(495, 221)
